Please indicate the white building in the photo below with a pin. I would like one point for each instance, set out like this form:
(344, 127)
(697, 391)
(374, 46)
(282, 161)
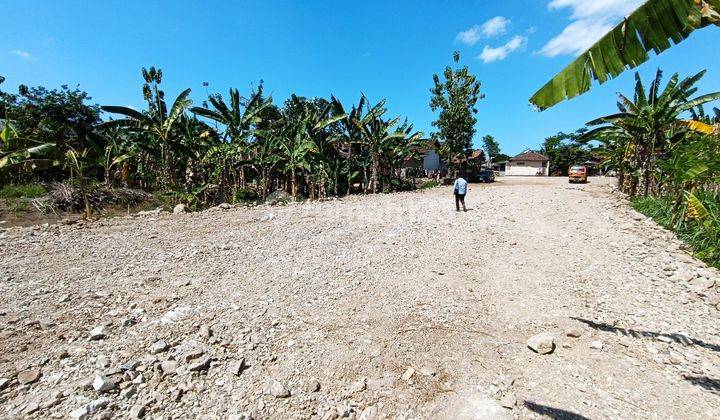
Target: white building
(528, 164)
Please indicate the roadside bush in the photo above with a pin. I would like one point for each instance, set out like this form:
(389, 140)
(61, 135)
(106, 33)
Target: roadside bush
(698, 225)
(22, 191)
(245, 195)
(428, 184)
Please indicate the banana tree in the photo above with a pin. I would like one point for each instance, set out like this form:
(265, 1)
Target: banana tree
(157, 122)
(23, 154)
(307, 140)
(647, 125)
(655, 26)
(239, 117)
(381, 137)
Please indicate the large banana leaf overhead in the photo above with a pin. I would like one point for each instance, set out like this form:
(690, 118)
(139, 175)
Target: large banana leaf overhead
(654, 26)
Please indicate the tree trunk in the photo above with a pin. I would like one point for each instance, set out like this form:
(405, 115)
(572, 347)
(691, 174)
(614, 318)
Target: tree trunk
(293, 186)
(374, 173)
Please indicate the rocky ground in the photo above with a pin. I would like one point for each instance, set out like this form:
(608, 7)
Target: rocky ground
(544, 299)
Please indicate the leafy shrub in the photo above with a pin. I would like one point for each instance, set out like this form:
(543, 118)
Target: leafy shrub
(22, 191)
(699, 229)
(245, 194)
(428, 184)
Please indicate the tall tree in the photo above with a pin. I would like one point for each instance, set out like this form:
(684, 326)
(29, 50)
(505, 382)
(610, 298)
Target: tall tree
(491, 147)
(456, 97)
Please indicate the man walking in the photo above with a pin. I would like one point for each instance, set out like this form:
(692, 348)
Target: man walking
(460, 191)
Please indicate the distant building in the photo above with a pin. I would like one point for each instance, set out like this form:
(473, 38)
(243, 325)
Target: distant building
(426, 158)
(528, 163)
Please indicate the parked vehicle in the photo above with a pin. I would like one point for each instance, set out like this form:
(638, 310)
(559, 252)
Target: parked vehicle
(578, 173)
(486, 176)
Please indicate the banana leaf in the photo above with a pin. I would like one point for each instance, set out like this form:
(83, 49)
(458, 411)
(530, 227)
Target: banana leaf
(653, 27)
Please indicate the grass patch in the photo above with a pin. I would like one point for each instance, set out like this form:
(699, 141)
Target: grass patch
(22, 191)
(702, 235)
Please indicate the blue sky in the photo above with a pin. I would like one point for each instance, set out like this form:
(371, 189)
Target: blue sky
(387, 49)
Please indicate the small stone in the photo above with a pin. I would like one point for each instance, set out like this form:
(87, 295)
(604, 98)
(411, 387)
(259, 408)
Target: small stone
(97, 333)
(701, 283)
(369, 413)
(128, 392)
(225, 206)
(159, 347)
(509, 400)
(428, 371)
(102, 383)
(360, 385)
(597, 345)
(81, 413)
(408, 374)
(312, 386)
(543, 343)
(277, 390)
(29, 376)
(137, 411)
(194, 354)
(200, 364)
(205, 331)
(46, 324)
(175, 315)
(169, 366)
(179, 209)
(574, 333)
(238, 367)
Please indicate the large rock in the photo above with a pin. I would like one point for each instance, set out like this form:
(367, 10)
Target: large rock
(179, 209)
(468, 405)
(159, 347)
(97, 333)
(103, 383)
(278, 197)
(29, 376)
(543, 343)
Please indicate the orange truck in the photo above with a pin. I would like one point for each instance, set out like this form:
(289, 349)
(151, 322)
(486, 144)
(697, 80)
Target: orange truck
(578, 173)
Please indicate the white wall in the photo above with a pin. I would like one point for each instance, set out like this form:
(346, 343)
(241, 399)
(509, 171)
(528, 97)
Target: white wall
(431, 161)
(525, 168)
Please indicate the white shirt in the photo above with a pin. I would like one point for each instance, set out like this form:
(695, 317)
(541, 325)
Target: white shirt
(460, 186)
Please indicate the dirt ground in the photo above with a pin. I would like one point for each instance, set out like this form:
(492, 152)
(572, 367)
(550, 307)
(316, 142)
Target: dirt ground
(387, 306)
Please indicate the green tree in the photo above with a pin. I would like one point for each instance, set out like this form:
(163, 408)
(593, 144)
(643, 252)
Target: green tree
(456, 97)
(564, 151)
(647, 127)
(240, 117)
(491, 147)
(158, 123)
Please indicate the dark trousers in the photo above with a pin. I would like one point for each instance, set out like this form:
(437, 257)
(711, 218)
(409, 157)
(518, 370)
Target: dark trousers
(460, 198)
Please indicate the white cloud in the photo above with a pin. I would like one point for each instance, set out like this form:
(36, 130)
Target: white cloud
(495, 26)
(490, 54)
(491, 28)
(469, 37)
(591, 19)
(22, 54)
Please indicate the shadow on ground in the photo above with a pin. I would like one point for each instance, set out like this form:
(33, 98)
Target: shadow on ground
(678, 338)
(552, 412)
(708, 384)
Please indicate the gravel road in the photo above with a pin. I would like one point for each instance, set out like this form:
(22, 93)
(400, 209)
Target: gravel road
(387, 306)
